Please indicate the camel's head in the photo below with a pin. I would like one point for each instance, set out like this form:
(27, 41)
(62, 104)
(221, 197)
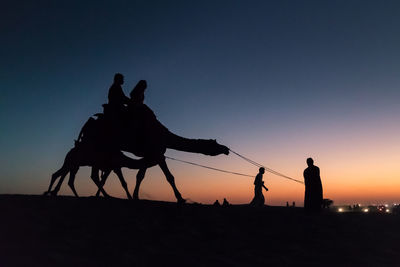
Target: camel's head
(213, 148)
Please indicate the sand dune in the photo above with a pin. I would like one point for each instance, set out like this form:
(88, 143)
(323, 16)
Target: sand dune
(66, 231)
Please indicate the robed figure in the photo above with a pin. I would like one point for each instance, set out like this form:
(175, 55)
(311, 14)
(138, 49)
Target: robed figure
(313, 192)
(258, 200)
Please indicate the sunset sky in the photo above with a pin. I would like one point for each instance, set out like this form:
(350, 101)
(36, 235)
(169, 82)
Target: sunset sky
(277, 81)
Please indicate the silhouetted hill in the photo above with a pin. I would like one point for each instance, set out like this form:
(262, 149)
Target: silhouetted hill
(66, 231)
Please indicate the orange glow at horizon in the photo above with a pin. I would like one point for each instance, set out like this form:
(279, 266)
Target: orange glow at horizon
(364, 181)
(358, 165)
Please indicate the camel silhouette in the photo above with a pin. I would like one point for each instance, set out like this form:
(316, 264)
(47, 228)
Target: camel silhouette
(128, 134)
(106, 161)
(132, 128)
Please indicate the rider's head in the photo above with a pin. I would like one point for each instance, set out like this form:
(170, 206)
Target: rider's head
(262, 170)
(119, 78)
(137, 94)
(310, 162)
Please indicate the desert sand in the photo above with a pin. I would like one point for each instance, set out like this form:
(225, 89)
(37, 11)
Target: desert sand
(67, 231)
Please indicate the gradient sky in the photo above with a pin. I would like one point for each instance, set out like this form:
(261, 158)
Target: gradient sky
(278, 81)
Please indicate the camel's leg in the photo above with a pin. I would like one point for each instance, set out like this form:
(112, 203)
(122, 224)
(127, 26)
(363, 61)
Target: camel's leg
(171, 180)
(94, 174)
(58, 186)
(54, 178)
(118, 172)
(68, 161)
(104, 177)
(139, 179)
(71, 181)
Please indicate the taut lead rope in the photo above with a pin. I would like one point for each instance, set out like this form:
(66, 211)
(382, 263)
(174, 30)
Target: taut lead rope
(208, 167)
(237, 173)
(266, 168)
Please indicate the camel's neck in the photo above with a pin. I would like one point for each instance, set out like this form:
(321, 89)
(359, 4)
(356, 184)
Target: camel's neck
(202, 146)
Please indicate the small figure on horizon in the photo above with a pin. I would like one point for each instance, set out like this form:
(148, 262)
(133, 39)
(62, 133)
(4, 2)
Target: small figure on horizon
(216, 203)
(294, 204)
(287, 204)
(313, 191)
(259, 200)
(327, 203)
(116, 96)
(225, 203)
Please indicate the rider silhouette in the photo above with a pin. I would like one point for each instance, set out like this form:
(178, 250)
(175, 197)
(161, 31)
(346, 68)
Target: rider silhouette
(150, 127)
(137, 94)
(116, 96)
(140, 110)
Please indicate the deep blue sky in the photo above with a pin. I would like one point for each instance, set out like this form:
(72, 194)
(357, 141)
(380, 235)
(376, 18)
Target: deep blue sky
(250, 73)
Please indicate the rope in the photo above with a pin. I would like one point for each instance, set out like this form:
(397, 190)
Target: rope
(266, 168)
(208, 167)
(237, 173)
(247, 159)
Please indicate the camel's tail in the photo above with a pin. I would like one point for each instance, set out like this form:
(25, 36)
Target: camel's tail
(208, 147)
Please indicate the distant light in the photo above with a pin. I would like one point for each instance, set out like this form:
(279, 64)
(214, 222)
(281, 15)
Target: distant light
(387, 210)
(340, 210)
(386, 205)
(365, 210)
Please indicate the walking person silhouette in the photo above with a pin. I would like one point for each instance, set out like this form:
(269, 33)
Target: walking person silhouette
(259, 200)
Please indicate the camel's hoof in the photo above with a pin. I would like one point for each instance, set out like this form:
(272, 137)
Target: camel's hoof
(46, 193)
(53, 193)
(181, 201)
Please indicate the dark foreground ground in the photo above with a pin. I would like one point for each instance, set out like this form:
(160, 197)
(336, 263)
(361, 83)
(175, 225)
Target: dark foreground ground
(65, 231)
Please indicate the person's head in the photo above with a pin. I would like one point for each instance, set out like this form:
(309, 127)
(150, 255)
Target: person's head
(137, 94)
(310, 162)
(261, 170)
(119, 78)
